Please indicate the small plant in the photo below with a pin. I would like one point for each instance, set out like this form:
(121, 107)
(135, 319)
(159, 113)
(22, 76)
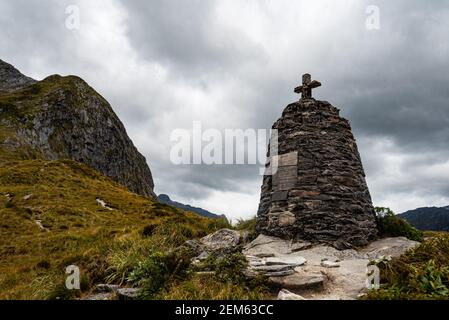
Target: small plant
(158, 269)
(390, 225)
(230, 268)
(150, 274)
(248, 226)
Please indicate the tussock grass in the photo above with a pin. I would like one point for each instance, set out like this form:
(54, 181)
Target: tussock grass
(105, 244)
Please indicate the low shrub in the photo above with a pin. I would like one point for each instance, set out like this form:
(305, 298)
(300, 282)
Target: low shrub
(421, 273)
(158, 269)
(390, 225)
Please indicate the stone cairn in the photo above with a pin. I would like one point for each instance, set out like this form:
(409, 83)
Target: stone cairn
(315, 188)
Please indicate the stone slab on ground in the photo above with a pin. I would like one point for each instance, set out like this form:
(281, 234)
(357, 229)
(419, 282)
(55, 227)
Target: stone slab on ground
(320, 278)
(266, 246)
(299, 281)
(291, 260)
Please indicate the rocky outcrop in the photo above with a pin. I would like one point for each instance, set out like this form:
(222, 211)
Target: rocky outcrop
(11, 78)
(219, 244)
(64, 118)
(324, 272)
(315, 189)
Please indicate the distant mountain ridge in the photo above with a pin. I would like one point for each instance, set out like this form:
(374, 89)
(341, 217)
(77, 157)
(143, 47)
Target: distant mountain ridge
(163, 198)
(428, 218)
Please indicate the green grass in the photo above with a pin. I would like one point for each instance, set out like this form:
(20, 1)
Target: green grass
(78, 230)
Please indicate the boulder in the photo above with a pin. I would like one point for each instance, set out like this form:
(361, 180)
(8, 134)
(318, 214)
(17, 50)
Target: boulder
(128, 293)
(298, 281)
(284, 294)
(389, 247)
(221, 242)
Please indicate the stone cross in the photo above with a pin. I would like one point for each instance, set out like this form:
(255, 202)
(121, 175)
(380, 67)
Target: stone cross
(307, 86)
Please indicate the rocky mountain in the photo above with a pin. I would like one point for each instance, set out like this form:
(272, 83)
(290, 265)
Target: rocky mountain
(11, 78)
(163, 198)
(64, 118)
(428, 218)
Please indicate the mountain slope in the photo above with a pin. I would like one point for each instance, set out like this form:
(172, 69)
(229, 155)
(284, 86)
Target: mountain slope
(52, 217)
(11, 78)
(70, 180)
(163, 198)
(428, 218)
(64, 118)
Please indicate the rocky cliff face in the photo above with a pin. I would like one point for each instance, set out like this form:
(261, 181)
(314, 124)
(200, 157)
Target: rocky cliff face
(318, 192)
(11, 78)
(64, 118)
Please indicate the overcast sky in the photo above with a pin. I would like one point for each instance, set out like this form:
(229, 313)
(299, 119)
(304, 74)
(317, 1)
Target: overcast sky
(233, 64)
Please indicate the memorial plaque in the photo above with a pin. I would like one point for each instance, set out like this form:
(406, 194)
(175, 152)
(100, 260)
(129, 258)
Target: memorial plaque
(287, 159)
(279, 196)
(285, 178)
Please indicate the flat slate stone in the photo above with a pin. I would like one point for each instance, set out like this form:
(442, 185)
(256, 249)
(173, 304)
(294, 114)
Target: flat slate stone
(284, 273)
(298, 281)
(272, 268)
(330, 264)
(286, 260)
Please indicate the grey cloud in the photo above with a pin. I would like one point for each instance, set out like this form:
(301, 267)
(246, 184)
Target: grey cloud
(392, 84)
(186, 37)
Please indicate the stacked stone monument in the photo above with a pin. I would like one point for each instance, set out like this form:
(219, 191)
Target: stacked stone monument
(315, 186)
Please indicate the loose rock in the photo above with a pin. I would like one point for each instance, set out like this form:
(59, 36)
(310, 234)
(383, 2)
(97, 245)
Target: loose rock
(128, 293)
(284, 294)
(286, 260)
(298, 281)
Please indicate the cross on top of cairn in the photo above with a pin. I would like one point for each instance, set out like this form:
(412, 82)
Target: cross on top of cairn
(307, 86)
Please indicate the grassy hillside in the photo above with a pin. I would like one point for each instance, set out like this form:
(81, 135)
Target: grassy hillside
(61, 196)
